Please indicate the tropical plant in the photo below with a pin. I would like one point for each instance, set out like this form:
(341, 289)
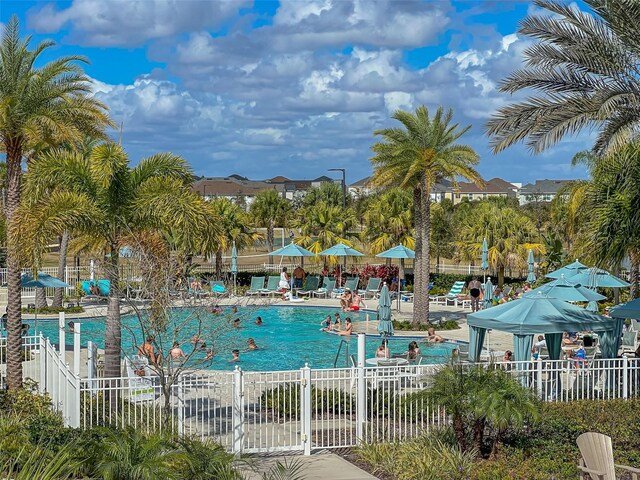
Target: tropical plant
(322, 226)
(443, 230)
(101, 198)
(389, 221)
(510, 235)
(268, 210)
(48, 103)
(235, 228)
(327, 192)
(414, 157)
(585, 66)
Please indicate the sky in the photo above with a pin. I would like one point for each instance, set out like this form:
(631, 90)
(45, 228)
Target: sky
(266, 88)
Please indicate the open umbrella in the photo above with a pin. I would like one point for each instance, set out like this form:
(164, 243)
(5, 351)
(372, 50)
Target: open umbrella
(341, 250)
(234, 265)
(531, 277)
(400, 252)
(42, 280)
(385, 325)
(484, 266)
(568, 270)
(596, 277)
(567, 291)
(292, 250)
(488, 293)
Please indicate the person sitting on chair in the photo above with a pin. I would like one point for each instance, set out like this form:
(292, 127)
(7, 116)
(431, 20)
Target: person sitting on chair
(94, 289)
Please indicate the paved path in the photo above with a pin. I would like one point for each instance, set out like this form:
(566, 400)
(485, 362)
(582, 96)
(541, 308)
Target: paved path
(319, 466)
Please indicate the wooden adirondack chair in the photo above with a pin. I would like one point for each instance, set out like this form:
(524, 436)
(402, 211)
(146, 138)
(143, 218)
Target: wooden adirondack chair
(597, 458)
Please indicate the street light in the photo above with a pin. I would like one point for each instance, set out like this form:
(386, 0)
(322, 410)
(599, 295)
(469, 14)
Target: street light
(344, 184)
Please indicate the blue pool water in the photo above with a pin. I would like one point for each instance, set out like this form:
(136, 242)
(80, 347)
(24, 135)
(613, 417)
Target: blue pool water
(289, 337)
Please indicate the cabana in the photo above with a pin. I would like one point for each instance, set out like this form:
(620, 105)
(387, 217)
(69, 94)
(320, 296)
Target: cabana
(539, 314)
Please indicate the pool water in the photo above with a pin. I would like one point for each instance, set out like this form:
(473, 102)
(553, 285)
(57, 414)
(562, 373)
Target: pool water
(288, 338)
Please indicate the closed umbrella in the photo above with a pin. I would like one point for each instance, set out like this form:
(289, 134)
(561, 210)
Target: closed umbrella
(488, 293)
(568, 270)
(42, 280)
(484, 266)
(341, 250)
(234, 265)
(531, 277)
(400, 252)
(385, 325)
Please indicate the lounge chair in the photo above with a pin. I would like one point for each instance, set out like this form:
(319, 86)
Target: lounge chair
(272, 287)
(140, 380)
(372, 288)
(452, 296)
(310, 286)
(351, 284)
(597, 458)
(104, 286)
(328, 284)
(629, 341)
(217, 287)
(257, 285)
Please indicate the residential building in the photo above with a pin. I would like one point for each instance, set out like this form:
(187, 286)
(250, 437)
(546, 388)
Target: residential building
(496, 187)
(541, 190)
(361, 187)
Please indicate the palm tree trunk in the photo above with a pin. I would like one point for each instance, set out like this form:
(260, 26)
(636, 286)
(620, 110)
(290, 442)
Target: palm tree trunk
(14, 291)
(113, 334)
(219, 264)
(41, 298)
(459, 431)
(634, 274)
(58, 294)
(478, 434)
(418, 299)
(270, 241)
(426, 253)
(500, 275)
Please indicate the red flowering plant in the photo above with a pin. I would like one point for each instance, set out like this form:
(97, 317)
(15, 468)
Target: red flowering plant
(386, 272)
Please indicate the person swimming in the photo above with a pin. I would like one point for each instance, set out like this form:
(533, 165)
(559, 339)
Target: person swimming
(326, 324)
(251, 344)
(258, 321)
(235, 356)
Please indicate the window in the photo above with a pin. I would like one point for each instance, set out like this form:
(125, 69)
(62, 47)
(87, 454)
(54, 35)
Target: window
(470, 196)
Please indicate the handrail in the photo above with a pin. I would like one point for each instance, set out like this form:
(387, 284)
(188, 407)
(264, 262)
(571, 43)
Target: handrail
(335, 362)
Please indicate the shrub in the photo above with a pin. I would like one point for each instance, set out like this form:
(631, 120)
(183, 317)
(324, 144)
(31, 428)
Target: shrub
(52, 310)
(404, 325)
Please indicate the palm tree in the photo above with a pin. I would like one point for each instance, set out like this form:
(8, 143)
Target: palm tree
(388, 221)
(322, 226)
(415, 157)
(328, 192)
(50, 103)
(235, 228)
(103, 199)
(268, 210)
(585, 68)
(510, 235)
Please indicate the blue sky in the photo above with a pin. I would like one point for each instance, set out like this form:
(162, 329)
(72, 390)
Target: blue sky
(292, 88)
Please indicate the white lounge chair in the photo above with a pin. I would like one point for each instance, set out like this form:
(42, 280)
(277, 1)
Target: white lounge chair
(328, 284)
(597, 458)
(452, 296)
(140, 380)
(629, 341)
(372, 288)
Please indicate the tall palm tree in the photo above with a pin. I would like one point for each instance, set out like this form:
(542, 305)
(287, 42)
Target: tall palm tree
(585, 70)
(327, 192)
(235, 226)
(322, 226)
(510, 235)
(50, 103)
(388, 221)
(268, 210)
(415, 157)
(115, 201)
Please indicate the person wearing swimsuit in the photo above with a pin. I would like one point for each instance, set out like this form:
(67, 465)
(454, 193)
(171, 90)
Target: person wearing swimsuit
(474, 291)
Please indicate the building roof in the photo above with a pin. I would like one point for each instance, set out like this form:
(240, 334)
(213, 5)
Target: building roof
(278, 179)
(544, 186)
(363, 182)
(323, 179)
(229, 186)
(495, 185)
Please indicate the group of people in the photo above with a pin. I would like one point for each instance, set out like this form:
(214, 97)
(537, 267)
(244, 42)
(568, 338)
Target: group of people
(336, 326)
(413, 351)
(498, 296)
(351, 301)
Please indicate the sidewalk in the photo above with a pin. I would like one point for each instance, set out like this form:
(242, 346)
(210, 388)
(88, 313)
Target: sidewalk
(318, 466)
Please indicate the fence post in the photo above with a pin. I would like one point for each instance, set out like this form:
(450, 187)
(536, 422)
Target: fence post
(361, 391)
(305, 408)
(237, 411)
(625, 377)
(76, 349)
(61, 337)
(539, 379)
(180, 406)
(43, 364)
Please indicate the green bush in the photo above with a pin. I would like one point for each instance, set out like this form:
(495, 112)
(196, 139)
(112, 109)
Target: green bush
(52, 310)
(405, 325)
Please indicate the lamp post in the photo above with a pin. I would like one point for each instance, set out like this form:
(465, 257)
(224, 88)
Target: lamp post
(344, 202)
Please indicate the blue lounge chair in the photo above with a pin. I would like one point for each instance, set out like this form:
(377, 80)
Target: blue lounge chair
(257, 285)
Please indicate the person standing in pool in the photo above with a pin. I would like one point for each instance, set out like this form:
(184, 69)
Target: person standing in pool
(251, 344)
(338, 322)
(348, 327)
(235, 356)
(474, 292)
(259, 321)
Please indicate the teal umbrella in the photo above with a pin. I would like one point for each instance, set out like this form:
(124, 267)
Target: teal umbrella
(42, 280)
(293, 250)
(596, 277)
(487, 298)
(234, 265)
(401, 252)
(484, 266)
(531, 277)
(627, 310)
(568, 270)
(567, 291)
(385, 325)
(341, 250)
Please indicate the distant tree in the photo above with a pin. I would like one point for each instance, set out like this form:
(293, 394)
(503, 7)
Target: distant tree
(269, 210)
(328, 192)
(322, 226)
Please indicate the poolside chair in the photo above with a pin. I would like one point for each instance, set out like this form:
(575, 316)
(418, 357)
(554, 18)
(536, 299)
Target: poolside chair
(328, 284)
(629, 341)
(372, 288)
(597, 458)
(310, 286)
(217, 287)
(273, 285)
(140, 381)
(104, 286)
(635, 325)
(257, 285)
(452, 296)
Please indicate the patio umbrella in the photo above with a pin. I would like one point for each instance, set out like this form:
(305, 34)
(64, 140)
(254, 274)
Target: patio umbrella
(400, 252)
(234, 265)
(484, 266)
(341, 250)
(42, 280)
(627, 310)
(488, 294)
(292, 250)
(385, 325)
(568, 270)
(567, 291)
(531, 277)
(596, 277)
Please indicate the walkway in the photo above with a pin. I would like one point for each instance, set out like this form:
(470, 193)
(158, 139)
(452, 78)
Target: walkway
(318, 466)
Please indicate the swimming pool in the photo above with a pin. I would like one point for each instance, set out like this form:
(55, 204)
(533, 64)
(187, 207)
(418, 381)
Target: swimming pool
(288, 337)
